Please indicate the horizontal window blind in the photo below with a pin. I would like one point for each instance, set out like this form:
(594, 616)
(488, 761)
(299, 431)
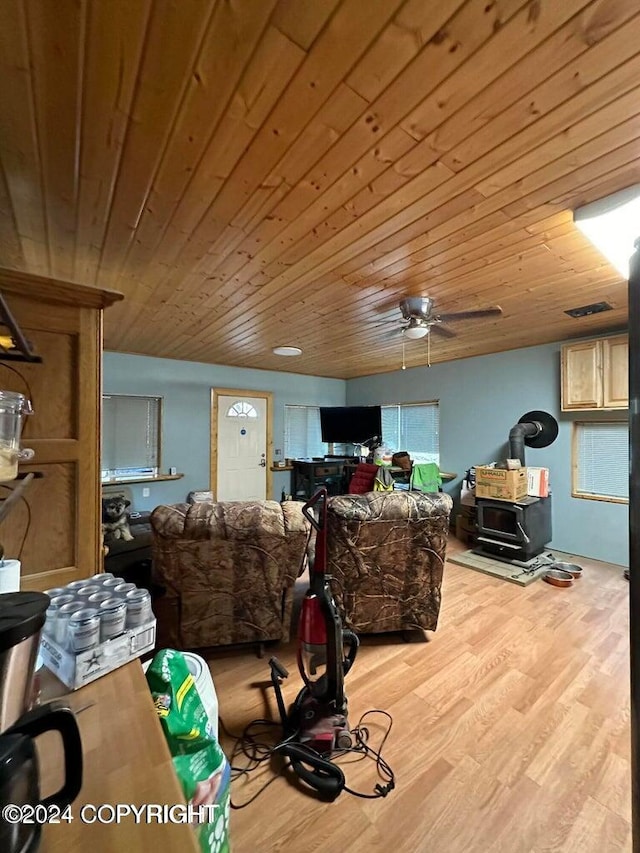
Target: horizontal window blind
(302, 435)
(415, 428)
(603, 459)
(130, 434)
(391, 427)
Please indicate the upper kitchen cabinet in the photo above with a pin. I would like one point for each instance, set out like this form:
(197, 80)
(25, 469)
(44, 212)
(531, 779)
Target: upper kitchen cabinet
(55, 530)
(595, 374)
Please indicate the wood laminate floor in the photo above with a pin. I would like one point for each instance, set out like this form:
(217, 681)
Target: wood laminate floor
(510, 728)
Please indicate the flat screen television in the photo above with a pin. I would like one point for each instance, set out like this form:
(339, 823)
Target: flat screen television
(350, 424)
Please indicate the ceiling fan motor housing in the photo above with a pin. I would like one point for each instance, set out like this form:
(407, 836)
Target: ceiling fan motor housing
(418, 307)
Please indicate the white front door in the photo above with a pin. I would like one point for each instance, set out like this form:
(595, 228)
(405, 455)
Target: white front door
(241, 448)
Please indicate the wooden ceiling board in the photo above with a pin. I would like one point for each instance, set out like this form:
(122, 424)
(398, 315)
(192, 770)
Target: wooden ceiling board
(274, 172)
(19, 149)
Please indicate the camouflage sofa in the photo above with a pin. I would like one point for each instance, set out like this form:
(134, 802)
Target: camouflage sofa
(386, 551)
(227, 571)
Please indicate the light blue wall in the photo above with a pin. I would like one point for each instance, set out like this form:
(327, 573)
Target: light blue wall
(480, 400)
(186, 391)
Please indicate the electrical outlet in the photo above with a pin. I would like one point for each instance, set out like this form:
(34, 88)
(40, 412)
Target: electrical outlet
(146, 493)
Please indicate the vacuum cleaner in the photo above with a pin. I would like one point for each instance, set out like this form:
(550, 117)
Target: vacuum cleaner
(316, 725)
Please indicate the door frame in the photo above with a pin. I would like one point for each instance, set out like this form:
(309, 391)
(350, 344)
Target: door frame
(216, 393)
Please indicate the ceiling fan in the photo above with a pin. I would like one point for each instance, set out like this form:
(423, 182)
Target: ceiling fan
(419, 317)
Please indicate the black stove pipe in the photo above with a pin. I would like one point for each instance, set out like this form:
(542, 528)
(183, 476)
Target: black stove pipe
(634, 536)
(517, 435)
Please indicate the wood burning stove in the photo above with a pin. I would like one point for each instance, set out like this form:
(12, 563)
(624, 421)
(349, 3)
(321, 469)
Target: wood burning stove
(515, 531)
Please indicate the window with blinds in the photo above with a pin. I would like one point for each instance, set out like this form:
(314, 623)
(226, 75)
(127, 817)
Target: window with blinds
(601, 460)
(413, 427)
(302, 435)
(130, 436)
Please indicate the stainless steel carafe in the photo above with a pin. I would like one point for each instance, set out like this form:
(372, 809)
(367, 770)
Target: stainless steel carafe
(22, 615)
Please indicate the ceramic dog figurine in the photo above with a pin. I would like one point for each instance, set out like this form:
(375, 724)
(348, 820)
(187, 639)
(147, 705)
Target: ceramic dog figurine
(115, 524)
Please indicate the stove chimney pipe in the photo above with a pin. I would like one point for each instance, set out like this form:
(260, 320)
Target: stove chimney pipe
(537, 429)
(517, 435)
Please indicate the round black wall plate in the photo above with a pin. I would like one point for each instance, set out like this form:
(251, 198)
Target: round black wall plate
(549, 431)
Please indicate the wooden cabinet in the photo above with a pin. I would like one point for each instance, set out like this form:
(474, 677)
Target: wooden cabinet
(55, 530)
(615, 372)
(595, 374)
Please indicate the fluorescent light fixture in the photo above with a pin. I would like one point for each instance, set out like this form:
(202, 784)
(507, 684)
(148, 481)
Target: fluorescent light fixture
(612, 224)
(287, 351)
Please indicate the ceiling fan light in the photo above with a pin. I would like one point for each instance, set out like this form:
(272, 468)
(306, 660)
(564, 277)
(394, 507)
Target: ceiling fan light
(415, 332)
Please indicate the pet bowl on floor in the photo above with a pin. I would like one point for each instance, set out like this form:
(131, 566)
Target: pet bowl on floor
(558, 577)
(574, 570)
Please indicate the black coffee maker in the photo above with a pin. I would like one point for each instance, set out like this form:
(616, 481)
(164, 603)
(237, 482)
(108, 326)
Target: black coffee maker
(22, 615)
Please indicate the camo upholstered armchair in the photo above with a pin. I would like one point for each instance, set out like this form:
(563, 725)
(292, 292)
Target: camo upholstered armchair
(386, 551)
(227, 571)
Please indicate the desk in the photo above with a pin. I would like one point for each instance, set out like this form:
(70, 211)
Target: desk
(126, 760)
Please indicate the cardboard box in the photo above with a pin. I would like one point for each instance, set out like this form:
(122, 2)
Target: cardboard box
(500, 484)
(76, 670)
(538, 482)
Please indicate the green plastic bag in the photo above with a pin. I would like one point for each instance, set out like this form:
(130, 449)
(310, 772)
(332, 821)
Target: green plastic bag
(200, 763)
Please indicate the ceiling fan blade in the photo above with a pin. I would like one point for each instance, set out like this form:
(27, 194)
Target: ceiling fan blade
(442, 330)
(393, 335)
(468, 315)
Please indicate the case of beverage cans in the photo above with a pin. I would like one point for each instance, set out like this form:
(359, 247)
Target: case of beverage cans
(94, 626)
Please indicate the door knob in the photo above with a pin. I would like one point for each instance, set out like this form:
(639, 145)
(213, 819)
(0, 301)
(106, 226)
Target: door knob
(263, 463)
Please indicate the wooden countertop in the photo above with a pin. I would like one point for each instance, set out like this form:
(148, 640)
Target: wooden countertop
(126, 760)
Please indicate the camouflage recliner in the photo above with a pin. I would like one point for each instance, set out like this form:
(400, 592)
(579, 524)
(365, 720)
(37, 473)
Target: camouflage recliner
(227, 569)
(386, 551)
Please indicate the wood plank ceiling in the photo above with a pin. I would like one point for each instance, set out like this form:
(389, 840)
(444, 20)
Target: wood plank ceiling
(252, 173)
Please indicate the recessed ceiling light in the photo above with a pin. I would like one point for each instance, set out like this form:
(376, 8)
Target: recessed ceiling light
(287, 351)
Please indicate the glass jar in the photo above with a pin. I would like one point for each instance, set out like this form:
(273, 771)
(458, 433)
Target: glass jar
(113, 616)
(138, 608)
(84, 629)
(13, 407)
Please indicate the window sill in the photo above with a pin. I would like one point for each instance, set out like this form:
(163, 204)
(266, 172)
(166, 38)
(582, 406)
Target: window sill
(119, 481)
(607, 498)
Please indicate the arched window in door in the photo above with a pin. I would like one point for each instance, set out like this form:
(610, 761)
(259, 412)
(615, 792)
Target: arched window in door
(242, 409)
